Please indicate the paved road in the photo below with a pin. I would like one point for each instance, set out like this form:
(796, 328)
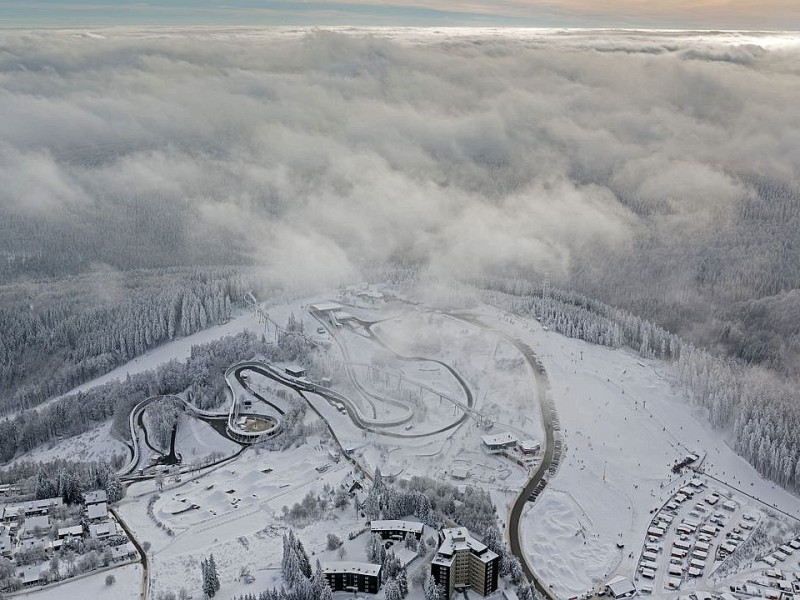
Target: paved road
(145, 570)
(547, 407)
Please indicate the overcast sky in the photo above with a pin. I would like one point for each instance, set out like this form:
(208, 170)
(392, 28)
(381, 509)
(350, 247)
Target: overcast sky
(671, 14)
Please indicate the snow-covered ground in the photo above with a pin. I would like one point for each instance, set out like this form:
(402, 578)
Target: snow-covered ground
(625, 423)
(196, 441)
(127, 586)
(97, 444)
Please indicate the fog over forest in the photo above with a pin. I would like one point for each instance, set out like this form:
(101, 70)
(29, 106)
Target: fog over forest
(656, 172)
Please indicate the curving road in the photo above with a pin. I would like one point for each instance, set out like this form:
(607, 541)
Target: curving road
(538, 476)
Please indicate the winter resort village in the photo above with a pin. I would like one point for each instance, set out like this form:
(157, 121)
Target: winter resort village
(369, 444)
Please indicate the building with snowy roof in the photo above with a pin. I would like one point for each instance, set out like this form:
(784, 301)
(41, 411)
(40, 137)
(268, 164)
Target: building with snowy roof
(351, 576)
(95, 497)
(98, 531)
(97, 512)
(393, 528)
(498, 442)
(530, 446)
(323, 307)
(31, 576)
(462, 563)
(36, 523)
(621, 587)
(74, 531)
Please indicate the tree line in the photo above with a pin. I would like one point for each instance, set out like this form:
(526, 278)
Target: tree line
(50, 349)
(758, 405)
(202, 374)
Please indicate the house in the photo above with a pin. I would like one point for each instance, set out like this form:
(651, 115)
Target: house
(463, 563)
(36, 523)
(124, 552)
(99, 531)
(11, 514)
(8, 490)
(499, 441)
(696, 484)
(352, 576)
(729, 505)
(97, 512)
(31, 576)
(395, 529)
(68, 532)
(41, 507)
(529, 446)
(96, 497)
(620, 587)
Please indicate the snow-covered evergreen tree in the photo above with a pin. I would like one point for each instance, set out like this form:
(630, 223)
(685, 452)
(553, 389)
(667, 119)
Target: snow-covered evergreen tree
(391, 590)
(432, 591)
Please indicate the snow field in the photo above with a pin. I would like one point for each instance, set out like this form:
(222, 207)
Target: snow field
(625, 423)
(128, 586)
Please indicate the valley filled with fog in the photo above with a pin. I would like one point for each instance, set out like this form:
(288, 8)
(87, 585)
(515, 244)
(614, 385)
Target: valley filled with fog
(657, 172)
(177, 203)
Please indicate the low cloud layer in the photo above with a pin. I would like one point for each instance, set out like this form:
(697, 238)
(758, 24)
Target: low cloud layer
(645, 162)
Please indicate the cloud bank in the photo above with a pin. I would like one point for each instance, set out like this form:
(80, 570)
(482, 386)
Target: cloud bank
(655, 170)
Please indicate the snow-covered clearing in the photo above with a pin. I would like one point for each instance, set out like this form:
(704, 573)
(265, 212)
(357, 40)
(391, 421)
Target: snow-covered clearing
(97, 444)
(196, 440)
(127, 586)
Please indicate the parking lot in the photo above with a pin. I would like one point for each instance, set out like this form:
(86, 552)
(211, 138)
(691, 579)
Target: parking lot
(695, 531)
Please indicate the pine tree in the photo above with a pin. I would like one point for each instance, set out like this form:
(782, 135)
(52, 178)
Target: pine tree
(212, 569)
(208, 581)
(402, 582)
(114, 490)
(392, 591)
(291, 568)
(432, 590)
(321, 589)
(411, 541)
(44, 487)
(524, 592)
